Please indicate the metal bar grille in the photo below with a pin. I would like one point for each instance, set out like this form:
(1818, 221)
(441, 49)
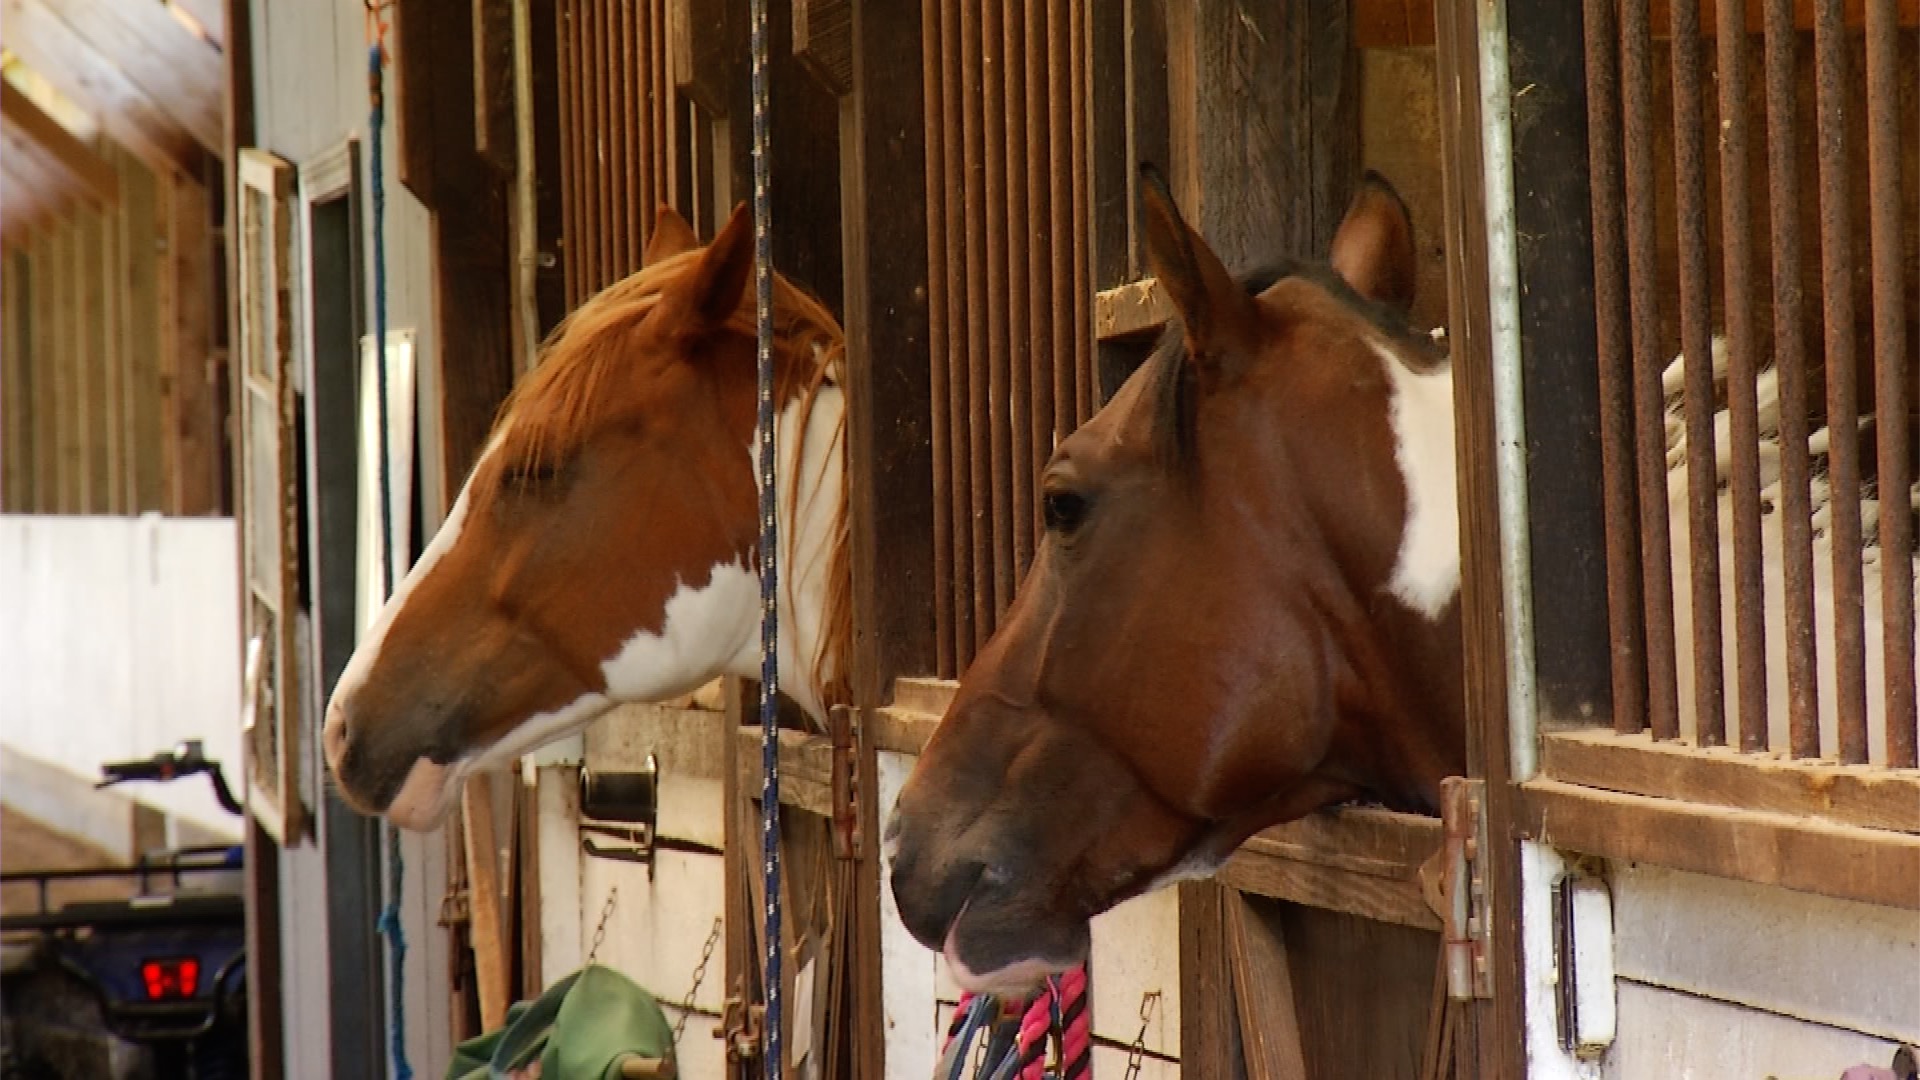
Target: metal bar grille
(622, 140)
(1774, 426)
(1008, 297)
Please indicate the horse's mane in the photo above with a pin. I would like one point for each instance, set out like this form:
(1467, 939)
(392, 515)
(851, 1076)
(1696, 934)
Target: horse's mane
(556, 406)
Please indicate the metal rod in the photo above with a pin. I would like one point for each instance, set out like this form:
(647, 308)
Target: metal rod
(1843, 388)
(1626, 625)
(960, 305)
(1743, 442)
(1041, 317)
(572, 201)
(1696, 337)
(1649, 405)
(1084, 382)
(1894, 387)
(1013, 57)
(999, 369)
(1796, 514)
(979, 422)
(931, 51)
(628, 146)
(1059, 171)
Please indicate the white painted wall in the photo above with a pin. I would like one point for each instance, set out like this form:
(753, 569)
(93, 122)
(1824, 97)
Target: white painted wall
(119, 637)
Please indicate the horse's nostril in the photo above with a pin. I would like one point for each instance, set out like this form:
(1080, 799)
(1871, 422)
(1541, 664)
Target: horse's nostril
(333, 736)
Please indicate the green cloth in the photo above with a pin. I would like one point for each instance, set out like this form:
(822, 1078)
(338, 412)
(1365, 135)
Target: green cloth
(582, 1028)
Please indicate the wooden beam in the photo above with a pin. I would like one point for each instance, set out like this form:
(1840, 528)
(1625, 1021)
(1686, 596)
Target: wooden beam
(34, 187)
(1210, 1038)
(87, 169)
(46, 428)
(48, 44)
(1867, 796)
(176, 71)
(91, 365)
(16, 386)
(486, 918)
(1870, 865)
(493, 82)
(196, 419)
(1263, 989)
(148, 453)
(70, 330)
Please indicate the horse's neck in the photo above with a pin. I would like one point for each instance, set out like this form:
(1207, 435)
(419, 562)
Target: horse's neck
(810, 511)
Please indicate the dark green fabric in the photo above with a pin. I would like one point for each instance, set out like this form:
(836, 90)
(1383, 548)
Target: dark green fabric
(580, 1029)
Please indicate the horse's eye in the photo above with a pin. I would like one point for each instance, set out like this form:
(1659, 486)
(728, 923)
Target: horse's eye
(1064, 511)
(528, 476)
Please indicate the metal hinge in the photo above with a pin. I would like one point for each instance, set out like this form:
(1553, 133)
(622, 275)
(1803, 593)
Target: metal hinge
(1463, 889)
(740, 1025)
(843, 725)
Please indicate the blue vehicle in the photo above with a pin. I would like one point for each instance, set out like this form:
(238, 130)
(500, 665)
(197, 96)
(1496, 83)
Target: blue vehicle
(151, 987)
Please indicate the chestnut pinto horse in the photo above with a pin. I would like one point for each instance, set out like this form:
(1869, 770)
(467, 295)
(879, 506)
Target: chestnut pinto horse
(1244, 608)
(604, 549)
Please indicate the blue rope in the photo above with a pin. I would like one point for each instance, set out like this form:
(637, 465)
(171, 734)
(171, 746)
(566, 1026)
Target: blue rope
(390, 924)
(769, 540)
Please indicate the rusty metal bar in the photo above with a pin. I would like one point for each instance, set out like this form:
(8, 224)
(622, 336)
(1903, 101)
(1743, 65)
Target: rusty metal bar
(1626, 625)
(1636, 49)
(960, 305)
(1040, 317)
(1013, 57)
(1696, 339)
(1796, 514)
(1736, 225)
(660, 90)
(598, 167)
(1843, 405)
(979, 421)
(1085, 384)
(1060, 168)
(1893, 390)
(999, 371)
(931, 54)
(566, 36)
(626, 142)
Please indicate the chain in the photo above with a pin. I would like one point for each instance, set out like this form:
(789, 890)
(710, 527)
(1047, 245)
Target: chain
(699, 976)
(600, 931)
(1148, 1001)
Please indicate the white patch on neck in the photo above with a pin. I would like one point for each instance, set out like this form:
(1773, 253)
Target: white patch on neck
(703, 632)
(1426, 573)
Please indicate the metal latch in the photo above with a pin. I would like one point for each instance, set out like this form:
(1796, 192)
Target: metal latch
(1463, 888)
(843, 728)
(740, 1025)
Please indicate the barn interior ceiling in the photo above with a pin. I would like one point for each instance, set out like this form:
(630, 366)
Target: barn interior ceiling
(145, 74)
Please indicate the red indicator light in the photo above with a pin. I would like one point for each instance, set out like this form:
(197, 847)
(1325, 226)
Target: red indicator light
(175, 978)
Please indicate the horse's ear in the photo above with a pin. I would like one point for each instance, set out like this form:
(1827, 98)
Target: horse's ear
(1373, 248)
(671, 236)
(712, 291)
(1216, 311)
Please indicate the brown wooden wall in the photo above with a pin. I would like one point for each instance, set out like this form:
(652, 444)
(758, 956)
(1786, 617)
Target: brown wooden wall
(111, 397)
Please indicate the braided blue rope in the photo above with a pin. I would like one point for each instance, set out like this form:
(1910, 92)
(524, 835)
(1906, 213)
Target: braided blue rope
(389, 924)
(769, 541)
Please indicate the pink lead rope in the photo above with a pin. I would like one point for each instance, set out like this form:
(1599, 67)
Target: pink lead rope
(1060, 1009)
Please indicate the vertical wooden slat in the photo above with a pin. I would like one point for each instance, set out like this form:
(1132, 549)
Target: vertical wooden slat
(88, 371)
(629, 144)
(110, 273)
(567, 18)
(1736, 224)
(1796, 514)
(979, 431)
(1613, 346)
(1013, 56)
(932, 52)
(1703, 519)
(960, 303)
(603, 78)
(1893, 389)
(16, 385)
(68, 375)
(1843, 406)
(46, 411)
(666, 134)
(1650, 434)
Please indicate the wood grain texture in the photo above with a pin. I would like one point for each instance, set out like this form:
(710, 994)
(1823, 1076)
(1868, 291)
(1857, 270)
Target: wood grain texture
(1846, 862)
(1264, 992)
(1364, 990)
(1210, 1037)
(82, 167)
(1860, 795)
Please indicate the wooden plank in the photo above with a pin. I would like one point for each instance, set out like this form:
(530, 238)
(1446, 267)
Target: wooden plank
(46, 445)
(1493, 1032)
(85, 168)
(1210, 1039)
(705, 65)
(1861, 795)
(176, 70)
(1847, 862)
(1134, 310)
(1366, 989)
(1399, 24)
(486, 917)
(47, 43)
(1263, 990)
(265, 1016)
(806, 768)
(70, 330)
(198, 420)
(140, 236)
(493, 134)
(823, 38)
(112, 277)
(1374, 896)
(16, 386)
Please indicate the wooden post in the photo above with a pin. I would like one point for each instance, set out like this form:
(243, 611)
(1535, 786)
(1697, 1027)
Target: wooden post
(16, 387)
(487, 886)
(68, 387)
(1494, 1045)
(196, 420)
(148, 453)
(1209, 1031)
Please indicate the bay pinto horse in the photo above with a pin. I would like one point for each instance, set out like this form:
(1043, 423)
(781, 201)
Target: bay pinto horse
(604, 548)
(1245, 608)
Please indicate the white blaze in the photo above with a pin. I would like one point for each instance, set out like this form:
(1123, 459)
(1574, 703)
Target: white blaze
(1426, 573)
